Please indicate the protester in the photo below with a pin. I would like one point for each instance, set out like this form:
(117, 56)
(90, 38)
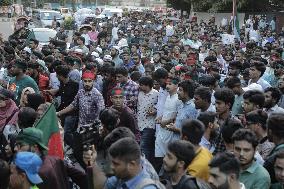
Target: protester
(252, 174)
(8, 109)
(178, 157)
(25, 171)
(256, 121)
(223, 167)
(146, 112)
(54, 172)
(192, 131)
(150, 71)
(21, 80)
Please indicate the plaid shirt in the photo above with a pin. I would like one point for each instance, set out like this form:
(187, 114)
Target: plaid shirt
(89, 104)
(131, 91)
(219, 141)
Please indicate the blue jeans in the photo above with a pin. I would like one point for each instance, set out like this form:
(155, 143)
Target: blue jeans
(70, 125)
(147, 144)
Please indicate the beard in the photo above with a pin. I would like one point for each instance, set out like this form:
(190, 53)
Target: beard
(88, 88)
(171, 169)
(225, 185)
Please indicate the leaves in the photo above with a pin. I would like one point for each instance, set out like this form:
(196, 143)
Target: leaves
(5, 2)
(226, 5)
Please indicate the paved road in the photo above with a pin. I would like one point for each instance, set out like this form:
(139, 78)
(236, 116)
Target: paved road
(6, 27)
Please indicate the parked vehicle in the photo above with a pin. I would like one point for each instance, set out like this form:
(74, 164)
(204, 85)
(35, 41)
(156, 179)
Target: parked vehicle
(44, 18)
(109, 12)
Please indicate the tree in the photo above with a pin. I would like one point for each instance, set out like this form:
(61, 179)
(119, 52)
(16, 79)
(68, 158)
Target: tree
(226, 5)
(183, 5)
(5, 2)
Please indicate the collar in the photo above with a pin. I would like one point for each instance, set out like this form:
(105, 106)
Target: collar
(189, 102)
(135, 180)
(150, 92)
(205, 141)
(274, 107)
(251, 168)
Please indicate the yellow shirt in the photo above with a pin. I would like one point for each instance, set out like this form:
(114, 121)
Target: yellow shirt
(199, 166)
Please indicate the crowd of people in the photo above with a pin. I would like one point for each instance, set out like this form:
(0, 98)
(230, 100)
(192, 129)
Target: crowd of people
(172, 103)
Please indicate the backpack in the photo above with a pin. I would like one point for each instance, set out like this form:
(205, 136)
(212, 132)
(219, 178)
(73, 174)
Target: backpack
(147, 182)
(188, 182)
(200, 184)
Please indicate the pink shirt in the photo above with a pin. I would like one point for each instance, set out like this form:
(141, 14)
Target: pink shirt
(93, 35)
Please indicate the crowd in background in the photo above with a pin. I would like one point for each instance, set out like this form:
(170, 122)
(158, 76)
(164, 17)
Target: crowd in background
(179, 105)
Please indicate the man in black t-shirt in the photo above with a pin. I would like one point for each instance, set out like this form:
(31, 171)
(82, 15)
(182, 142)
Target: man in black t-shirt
(178, 157)
(67, 91)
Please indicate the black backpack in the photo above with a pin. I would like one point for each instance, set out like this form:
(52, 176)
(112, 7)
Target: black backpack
(188, 182)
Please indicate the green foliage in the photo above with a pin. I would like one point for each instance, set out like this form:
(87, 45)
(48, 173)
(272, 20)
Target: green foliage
(5, 2)
(68, 23)
(226, 5)
(184, 5)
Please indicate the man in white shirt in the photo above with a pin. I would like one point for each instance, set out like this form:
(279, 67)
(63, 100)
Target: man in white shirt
(86, 36)
(146, 112)
(256, 71)
(160, 75)
(114, 33)
(163, 135)
(272, 97)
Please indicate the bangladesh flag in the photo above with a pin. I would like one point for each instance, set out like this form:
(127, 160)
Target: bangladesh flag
(48, 124)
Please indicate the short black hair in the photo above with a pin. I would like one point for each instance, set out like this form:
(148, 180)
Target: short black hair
(226, 95)
(193, 129)
(260, 66)
(135, 76)
(258, 116)
(236, 64)
(229, 128)
(275, 93)
(108, 68)
(126, 149)
(232, 82)
(150, 66)
(108, 118)
(148, 81)
(206, 118)
(204, 93)
(246, 135)
(26, 117)
(183, 150)
(208, 80)
(35, 41)
(254, 96)
(81, 38)
(188, 86)
(160, 73)
(62, 70)
(227, 163)
(116, 134)
(275, 124)
(121, 70)
(34, 100)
